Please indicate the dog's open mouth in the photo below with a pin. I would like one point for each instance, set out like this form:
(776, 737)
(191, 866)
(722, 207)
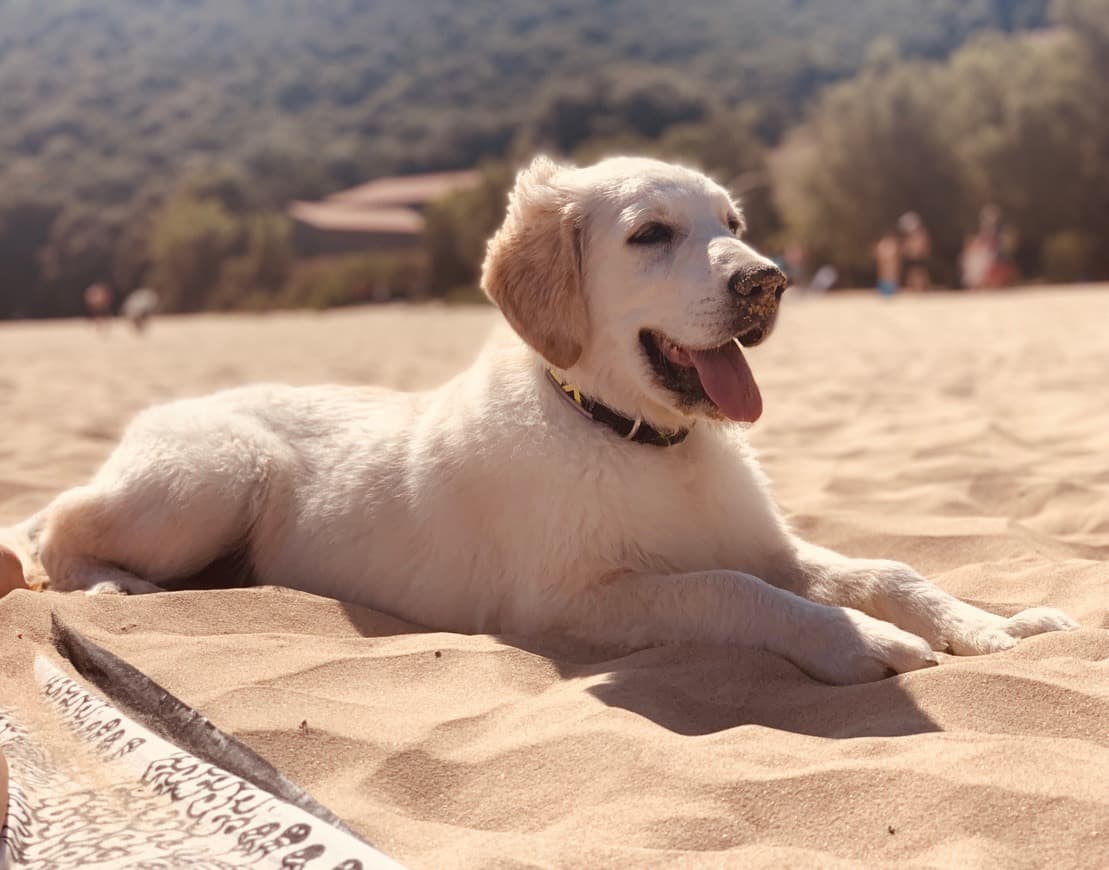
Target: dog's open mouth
(718, 376)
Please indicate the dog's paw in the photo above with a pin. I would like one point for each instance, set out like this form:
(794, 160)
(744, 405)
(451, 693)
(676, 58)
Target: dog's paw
(122, 586)
(1038, 620)
(984, 636)
(850, 647)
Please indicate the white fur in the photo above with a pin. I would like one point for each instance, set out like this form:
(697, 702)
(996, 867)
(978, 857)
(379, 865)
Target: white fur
(489, 505)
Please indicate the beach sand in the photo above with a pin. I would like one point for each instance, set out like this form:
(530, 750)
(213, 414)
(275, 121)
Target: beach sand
(968, 436)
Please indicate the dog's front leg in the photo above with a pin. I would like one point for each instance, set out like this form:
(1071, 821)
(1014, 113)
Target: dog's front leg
(834, 644)
(896, 593)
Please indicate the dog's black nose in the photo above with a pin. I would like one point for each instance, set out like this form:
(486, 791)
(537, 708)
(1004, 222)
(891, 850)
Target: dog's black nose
(758, 280)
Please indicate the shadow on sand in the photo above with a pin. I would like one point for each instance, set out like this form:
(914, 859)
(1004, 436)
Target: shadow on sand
(693, 689)
(689, 689)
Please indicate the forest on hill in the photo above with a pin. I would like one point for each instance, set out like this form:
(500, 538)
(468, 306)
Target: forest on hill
(159, 140)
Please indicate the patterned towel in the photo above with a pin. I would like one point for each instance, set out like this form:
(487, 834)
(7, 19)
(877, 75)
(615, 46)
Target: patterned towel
(122, 797)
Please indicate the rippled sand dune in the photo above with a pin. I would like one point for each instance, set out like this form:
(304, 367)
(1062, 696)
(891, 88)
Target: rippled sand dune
(967, 436)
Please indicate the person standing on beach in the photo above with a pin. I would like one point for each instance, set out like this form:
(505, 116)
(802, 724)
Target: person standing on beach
(986, 261)
(98, 302)
(916, 249)
(976, 262)
(887, 257)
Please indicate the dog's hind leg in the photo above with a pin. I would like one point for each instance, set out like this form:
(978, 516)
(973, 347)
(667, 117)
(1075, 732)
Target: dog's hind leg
(161, 508)
(20, 567)
(127, 536)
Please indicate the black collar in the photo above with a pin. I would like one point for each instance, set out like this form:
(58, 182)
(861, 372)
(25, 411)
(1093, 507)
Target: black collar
(627, 428)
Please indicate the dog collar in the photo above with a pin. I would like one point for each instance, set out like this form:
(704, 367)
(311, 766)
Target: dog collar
(630, 430)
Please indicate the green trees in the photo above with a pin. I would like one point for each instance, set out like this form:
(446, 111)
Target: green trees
(192, 238)
(622, 100)
(1022, 121)
(205, 255)
(872, 151)
(458, 226)
(127, 120)
(1018, 121)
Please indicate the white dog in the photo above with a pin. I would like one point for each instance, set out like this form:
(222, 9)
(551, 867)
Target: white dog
(583, 476)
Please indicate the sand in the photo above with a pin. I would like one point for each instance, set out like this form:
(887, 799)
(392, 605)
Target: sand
(966, 436)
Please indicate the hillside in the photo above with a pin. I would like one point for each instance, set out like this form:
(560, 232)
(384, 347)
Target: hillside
(107, 104)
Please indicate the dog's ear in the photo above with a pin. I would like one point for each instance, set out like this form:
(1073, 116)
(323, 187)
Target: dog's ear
(533, 265)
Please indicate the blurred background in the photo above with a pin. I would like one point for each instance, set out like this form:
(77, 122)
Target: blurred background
(280, 153)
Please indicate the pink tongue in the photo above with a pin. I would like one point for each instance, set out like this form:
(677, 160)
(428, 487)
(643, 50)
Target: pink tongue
(728, 381)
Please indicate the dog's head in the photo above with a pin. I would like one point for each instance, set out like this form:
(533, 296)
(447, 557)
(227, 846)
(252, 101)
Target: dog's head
(631, 275)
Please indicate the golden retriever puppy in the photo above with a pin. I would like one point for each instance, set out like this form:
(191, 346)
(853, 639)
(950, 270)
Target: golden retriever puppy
(587, 475)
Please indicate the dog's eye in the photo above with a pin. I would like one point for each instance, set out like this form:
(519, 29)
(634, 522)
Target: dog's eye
(651, 234)
(733, 224)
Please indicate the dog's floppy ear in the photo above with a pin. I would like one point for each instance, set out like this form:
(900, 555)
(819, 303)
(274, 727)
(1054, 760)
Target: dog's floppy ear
(533, 265)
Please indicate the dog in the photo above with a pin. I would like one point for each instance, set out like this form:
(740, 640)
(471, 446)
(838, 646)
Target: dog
(588, 475)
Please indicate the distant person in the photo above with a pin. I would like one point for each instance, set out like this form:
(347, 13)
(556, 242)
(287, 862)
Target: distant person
(1001, 240)
(793, 263)
(916, 249)
(887, 257)
(139, 307)
(986, 260)
(98, 302)
(823, 279)
(975, 262)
